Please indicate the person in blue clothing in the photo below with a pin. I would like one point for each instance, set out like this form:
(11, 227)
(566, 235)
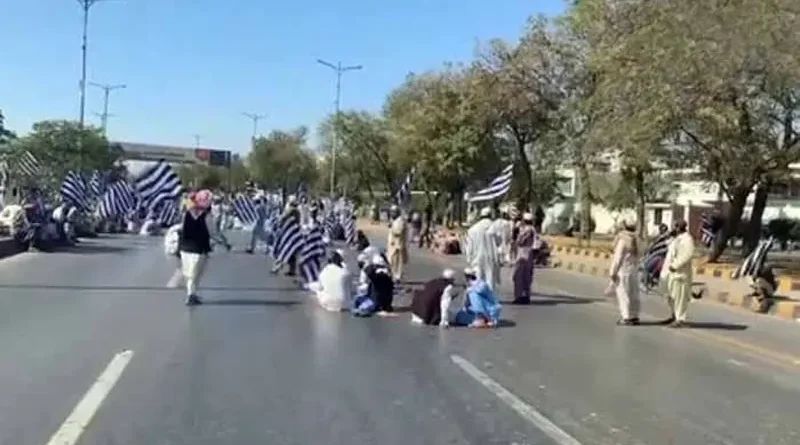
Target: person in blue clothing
(482, 309)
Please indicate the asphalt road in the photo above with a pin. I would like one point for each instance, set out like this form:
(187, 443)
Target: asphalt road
(260, 364)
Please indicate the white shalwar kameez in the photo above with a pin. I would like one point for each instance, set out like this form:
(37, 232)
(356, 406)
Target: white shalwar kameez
(482, 252)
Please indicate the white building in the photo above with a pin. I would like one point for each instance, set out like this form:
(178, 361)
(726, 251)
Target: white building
(691, 196)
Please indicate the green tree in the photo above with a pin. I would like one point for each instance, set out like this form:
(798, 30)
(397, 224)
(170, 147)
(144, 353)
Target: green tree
(5, 134)
(62, 146)
(521, 90)
(282, 160)
(723, 75)
(363, 155)
(438, 127)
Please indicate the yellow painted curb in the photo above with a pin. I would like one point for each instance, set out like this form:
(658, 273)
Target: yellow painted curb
(789, 310)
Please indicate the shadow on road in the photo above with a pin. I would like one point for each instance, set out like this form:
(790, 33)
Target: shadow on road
(713, 325)
(244, 302)
(90, 249)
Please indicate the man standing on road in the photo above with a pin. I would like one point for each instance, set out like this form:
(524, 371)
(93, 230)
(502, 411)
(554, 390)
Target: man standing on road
(678, 272)
(623, 274)
(482, 250)
(397, 245)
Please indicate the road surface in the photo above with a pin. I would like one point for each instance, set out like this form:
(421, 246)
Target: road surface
(260, 364)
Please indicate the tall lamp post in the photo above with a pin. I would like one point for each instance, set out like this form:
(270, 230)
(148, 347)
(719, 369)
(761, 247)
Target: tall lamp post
(255, 118)
(85, 5)
(107, 89)
(339, 69)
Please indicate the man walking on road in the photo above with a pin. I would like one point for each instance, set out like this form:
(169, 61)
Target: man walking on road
(397, 245)
(678, 271)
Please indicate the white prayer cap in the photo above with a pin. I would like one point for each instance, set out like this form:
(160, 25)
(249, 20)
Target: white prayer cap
(486, 211)
(362, 258)
(527, 216)
(394, 208)
(340, 252)
(378, 260)
(448, 274)
(470, 271)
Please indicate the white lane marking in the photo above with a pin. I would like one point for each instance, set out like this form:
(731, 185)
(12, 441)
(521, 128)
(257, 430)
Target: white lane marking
(79, 419)
(528, 412)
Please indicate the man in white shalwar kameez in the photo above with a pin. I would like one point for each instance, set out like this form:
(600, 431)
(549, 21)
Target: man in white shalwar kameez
(677, 269)
(503, 228)
(482, 250)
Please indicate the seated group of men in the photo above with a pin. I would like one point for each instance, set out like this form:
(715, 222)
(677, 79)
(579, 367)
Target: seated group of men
(433, 304)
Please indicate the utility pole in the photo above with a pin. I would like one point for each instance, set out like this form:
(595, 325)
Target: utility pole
(339, 69)
(85, 6)
(255, 118)
(196, 141)
(107, 89)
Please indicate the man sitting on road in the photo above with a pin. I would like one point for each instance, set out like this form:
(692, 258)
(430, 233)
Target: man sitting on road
(333, 288)
(431, 304)
(482, 310)
(381, 285)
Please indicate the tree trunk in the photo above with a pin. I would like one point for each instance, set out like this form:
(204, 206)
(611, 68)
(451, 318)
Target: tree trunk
(585, 197)
(732, 220)
(753, 234)
(641, 201)
(526, 168)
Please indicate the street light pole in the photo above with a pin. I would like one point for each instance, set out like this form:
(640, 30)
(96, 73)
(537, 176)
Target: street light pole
(339, 69)
(255, 118)
(85, 5)
(107, 89)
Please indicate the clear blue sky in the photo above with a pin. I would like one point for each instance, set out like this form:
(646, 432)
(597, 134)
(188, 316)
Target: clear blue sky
(193, 66)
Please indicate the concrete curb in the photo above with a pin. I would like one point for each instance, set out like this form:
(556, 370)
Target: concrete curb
(783, 308)
(786, 283)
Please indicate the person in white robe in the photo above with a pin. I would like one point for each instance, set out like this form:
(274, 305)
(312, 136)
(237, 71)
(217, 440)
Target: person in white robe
(624, 274)
(677, 269)
(482, 250)
(333, 288)
(172, 250)
(503, 228)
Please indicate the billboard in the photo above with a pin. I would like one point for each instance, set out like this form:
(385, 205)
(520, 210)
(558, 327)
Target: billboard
(176, 155)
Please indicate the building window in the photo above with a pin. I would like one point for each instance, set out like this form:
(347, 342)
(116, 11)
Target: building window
(658, 216)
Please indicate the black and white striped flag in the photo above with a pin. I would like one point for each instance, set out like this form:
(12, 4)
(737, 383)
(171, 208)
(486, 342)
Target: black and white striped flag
(658, 249)
(97, 184)
(311, 254)
(245, 209)
(403, 195)
(118, 199)
(168, 214)
(497, 188)
(754, 262)
(28, 165)
(158, 183)
(349, 226)
(707, 232)
(73, 190)
(290, 238)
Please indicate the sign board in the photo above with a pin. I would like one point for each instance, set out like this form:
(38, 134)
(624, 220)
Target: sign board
(174, 155)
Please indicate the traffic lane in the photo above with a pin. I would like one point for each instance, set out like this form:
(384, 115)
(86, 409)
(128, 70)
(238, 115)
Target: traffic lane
(269, 366)
(728, 324)
(640, 385)
(63, 315)
(760, 338)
